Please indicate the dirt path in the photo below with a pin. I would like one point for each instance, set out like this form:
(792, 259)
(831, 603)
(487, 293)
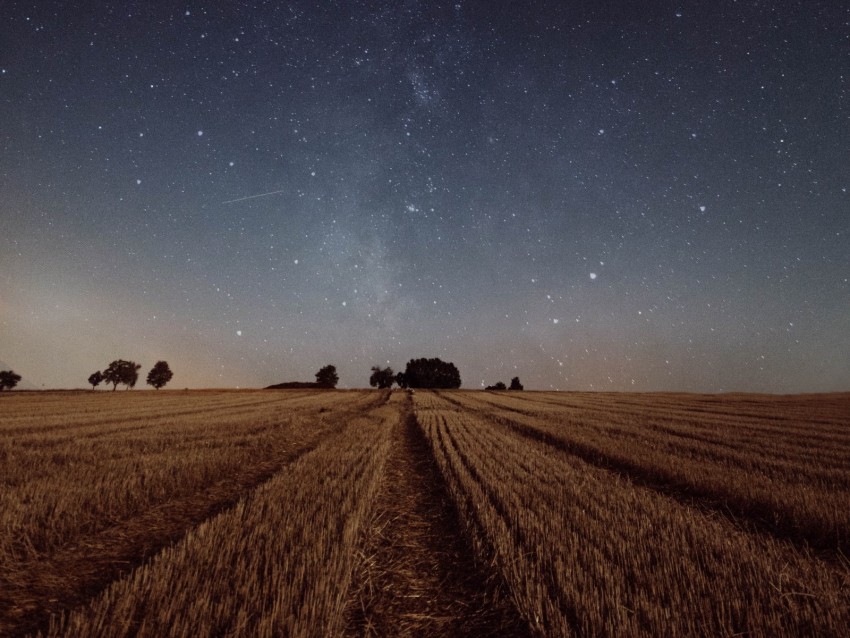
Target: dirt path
(419, 577)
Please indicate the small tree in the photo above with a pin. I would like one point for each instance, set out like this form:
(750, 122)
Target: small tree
(382, 378)
(112, 374)
(160, 374)
(515, 384)
(8, 379)
(124, 372)
(327, 377)
(95, 379)
(499, 385)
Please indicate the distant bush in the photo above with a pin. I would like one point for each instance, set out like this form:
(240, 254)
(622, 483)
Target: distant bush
(515, 384)
(499, 385)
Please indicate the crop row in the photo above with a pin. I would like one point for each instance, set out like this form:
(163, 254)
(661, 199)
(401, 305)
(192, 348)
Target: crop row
(801, 427)
(97, 500)
(795, 496)
(279, 563)
(55, 490)
(50, 413)
(586, 552)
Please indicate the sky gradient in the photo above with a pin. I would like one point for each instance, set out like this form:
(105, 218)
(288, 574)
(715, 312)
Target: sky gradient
(597, 196)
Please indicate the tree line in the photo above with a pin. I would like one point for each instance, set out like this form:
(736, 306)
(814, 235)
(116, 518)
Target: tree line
(126, 373)
(419, 373)
(119, 372)
(500, 385)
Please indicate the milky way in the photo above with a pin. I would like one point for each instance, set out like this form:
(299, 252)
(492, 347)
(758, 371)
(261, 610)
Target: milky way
(606, 196)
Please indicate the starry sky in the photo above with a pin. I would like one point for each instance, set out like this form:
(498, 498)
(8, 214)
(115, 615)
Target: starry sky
(587, 195)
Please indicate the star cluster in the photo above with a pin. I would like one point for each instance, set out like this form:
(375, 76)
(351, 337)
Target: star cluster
(613, 195)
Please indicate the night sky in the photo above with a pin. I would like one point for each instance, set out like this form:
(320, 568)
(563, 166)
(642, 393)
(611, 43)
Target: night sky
(587, 195)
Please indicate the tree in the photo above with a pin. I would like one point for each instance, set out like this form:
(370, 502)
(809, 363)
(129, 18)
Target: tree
(124, 372)
(401, 380)
(515, 384)
(382, 378)
(499, 385)
(431, 373)
(95, 379)
(327, 377)
(160, 374)
(8, 379)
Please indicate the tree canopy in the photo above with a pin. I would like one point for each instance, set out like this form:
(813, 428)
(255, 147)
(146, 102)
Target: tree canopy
(382, 378)
(123, 372)
(95, 379)
(159, 375)
(431, 373)
(515, 384)
(8, 379)
(327, 377)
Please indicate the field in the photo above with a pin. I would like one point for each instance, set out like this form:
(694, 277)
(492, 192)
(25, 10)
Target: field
(456, 513)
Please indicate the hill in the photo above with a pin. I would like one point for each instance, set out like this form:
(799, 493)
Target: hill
(295, 385)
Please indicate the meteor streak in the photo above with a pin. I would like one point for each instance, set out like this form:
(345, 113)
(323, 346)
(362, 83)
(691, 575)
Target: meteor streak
(240, 199)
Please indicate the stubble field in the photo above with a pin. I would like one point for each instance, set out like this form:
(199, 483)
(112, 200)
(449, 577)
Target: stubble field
(377, 513)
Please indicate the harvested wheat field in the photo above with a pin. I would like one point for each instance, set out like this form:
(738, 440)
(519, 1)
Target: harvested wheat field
(451, 513)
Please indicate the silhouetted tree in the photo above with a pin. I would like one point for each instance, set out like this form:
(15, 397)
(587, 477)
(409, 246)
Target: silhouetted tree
(401, 380)
(124, 372)
(515, 384)
(95, 379)
(431, 373)
(382, 378)
(499, 385)
(327, 377)
(160, 374)
(133, 377)
(8, 379)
